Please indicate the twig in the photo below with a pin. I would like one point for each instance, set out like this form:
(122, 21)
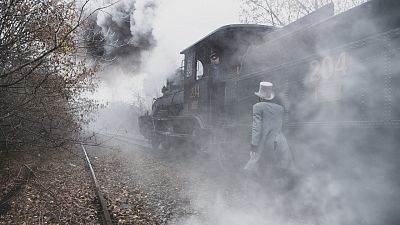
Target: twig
(40, 184)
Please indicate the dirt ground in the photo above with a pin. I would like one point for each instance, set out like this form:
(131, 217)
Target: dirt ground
(46, 188)
(140, 186)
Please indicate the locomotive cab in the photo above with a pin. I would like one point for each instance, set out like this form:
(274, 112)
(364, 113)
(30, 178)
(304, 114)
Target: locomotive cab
(204, 83)
(194, 103)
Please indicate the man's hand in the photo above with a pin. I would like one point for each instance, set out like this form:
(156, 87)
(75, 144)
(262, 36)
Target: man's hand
(253, 150)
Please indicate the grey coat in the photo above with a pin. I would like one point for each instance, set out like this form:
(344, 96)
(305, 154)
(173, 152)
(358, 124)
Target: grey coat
(273, 150)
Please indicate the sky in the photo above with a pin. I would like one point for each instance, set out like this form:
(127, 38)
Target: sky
(182, 22)
(176, 25)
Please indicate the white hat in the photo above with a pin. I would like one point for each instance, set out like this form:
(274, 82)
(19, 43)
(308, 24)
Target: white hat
(265, 91)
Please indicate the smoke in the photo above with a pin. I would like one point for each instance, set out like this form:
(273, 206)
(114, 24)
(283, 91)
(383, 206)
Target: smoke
(343, 176)
(138, 42)
(342, 132)
(120, 37)
(177, 25)
(121, 31)
(143, 38)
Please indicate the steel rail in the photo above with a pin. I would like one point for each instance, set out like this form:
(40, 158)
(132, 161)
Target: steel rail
(128, 139)
(106, 214)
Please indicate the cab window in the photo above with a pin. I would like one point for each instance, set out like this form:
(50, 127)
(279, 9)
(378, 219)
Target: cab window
(199, 70)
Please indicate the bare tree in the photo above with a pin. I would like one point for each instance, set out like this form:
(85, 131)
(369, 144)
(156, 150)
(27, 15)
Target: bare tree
(283, 12)
(41, 76)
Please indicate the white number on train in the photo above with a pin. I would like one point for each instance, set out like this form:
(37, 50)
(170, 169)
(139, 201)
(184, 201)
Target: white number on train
(195, 92)
(327, 68)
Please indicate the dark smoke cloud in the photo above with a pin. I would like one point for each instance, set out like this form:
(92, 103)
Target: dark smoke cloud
(122, 32)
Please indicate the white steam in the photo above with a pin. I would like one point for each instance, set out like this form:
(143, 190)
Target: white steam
(158, 31)
(142, 19)
(177, 25)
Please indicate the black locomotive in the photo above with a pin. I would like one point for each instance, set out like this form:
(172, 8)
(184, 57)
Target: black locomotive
(337, 76)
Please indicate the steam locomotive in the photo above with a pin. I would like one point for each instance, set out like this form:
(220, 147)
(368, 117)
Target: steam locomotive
(337, 77)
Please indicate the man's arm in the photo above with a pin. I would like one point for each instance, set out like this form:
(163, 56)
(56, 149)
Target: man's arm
(256, 132)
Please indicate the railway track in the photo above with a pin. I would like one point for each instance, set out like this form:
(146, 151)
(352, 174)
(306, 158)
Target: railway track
(139, 186)
(47, 187)
(217, 155)
(156, 170)
(54, 197)
(103, 204)
(135, 140)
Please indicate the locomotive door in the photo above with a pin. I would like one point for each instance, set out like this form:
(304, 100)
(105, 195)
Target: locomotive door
(196, 95)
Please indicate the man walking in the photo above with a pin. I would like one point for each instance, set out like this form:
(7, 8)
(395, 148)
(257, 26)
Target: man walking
(270, 158)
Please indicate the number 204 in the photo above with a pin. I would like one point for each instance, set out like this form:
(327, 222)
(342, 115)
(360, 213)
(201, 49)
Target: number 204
(327, 68)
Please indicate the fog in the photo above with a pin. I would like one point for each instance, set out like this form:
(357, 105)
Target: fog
(142, 41)
(355, 184)
(345, 174)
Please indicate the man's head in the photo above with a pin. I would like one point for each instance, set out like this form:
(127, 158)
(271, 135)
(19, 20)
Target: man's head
(214, 58)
